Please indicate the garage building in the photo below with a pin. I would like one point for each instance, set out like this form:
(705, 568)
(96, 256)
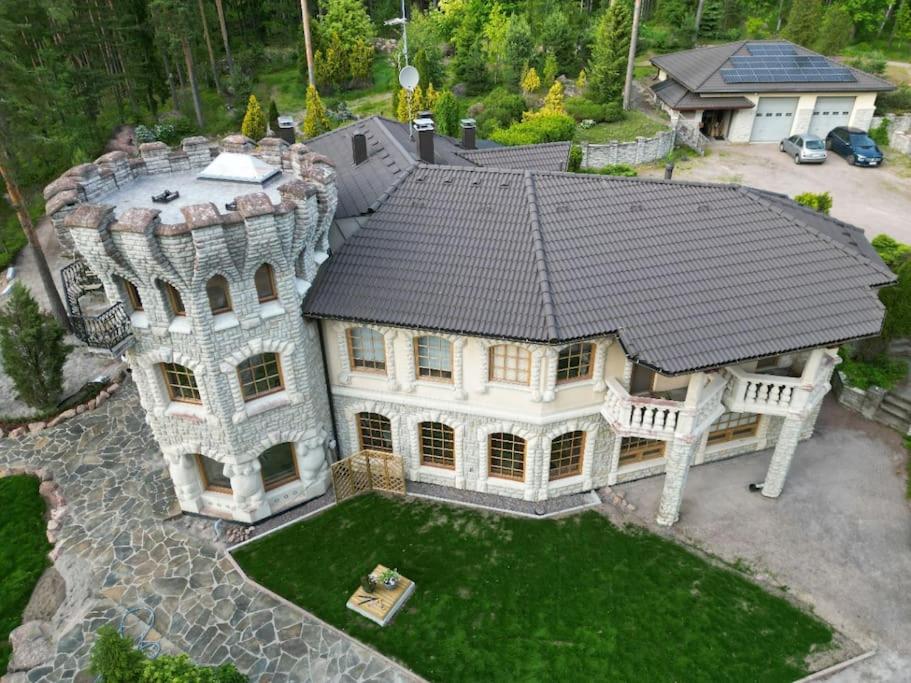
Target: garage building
(763, 91)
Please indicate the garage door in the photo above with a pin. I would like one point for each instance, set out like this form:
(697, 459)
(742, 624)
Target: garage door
(830, 112)
(774, 118)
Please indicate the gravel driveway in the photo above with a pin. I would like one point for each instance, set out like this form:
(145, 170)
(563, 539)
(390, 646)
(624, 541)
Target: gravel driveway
(875, 199)
(838, 537)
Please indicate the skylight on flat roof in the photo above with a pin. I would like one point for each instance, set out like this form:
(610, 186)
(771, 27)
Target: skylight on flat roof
(238, 168)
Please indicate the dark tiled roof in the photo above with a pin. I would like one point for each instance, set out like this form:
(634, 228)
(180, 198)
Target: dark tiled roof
(678, 97)
(547, 156)
(699, 70)
(391, 152)
(687, 275)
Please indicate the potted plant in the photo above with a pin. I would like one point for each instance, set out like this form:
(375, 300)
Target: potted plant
(390, 578)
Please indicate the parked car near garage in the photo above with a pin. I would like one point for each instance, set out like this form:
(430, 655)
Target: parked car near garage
(854, 145)
(804, 149)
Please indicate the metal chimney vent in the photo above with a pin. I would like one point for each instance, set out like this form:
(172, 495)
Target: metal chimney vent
(424, 128)
(468, 133)
(359, 148)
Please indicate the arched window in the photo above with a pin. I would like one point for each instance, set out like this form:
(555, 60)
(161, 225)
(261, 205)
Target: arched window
(509, 363)
(367, 349)
(278, 465)
(575, 362)
(265, 283)
(374, 432)
(175, 302)
(566, 455)
(433, 358)
(133, 297)
(181, 383)
(260, 375)
(219, 295)
(506, 456)
(212, 474)
(437, 445)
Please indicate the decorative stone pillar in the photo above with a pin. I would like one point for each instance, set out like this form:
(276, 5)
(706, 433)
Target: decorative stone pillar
(782, 456)
(249, 493)
(550, 378)
(185, 476)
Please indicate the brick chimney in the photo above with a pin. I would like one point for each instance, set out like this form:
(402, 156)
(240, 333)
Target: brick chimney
(468, 133)
(425, 130)
(359, 148)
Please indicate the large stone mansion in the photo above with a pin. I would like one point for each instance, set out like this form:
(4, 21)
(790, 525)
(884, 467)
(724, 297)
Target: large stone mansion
(504, 326)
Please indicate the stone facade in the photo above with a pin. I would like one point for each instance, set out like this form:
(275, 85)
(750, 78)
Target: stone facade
(135, 249)
(899, 131)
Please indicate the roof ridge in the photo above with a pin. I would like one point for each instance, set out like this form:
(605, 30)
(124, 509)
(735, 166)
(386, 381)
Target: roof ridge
(381, 123)
(348, 125)
(740, 45)
(392, 188)
(550, 318)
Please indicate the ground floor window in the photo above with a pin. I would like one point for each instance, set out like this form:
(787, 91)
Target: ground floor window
(566, 455)
(733, 426)
(278, 465)
(437, 445)
(212, 474)
(633, 449)
(374, 432)
(506, 456)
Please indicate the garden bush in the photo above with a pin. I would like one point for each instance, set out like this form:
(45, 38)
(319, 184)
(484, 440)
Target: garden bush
(499, 109)
(871, 62)
(880, 371)
(897, 102)
(891, 251)
(581, 108)
(543, 128)
(880, 134)
(818, 201)
(575, 159)
(624, 170)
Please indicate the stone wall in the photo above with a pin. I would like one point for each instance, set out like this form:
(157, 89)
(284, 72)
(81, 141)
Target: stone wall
(899, 131)
(642, 151)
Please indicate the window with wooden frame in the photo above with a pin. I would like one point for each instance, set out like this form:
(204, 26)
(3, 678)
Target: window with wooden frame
(506, 456)
(509, 363)
(265, 283)
(278, 466)
(566, 455)
(133, 297)
(366, 349)
(437, 445)
(575, 362)
(212, 474)
(181, 383)
(433, 358)
(374, 432)
(733, 426)
(219, 294)
(175, 302)
(633, 449)
(260, 375)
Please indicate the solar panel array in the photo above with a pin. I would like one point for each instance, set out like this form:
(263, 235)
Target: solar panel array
(780, 63)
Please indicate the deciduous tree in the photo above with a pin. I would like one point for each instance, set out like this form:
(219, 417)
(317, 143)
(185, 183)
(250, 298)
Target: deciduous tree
(803, 22)
(836, 31)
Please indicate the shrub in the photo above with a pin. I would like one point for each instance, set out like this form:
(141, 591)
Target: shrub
(880, 371)
(32, 349)
(871, 62)
(254, 125)
(819, 201)
(315, 120)
(891, 251)
(613, 112)
(542, 128)
(143, 133)
(169, 669)
(898, 101)
(880, 134)
(624, 170)
(499, 109)
(581, 108)
(574, 163)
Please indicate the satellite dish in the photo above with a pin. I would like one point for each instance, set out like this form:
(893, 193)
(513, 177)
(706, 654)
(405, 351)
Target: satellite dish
(409, 77)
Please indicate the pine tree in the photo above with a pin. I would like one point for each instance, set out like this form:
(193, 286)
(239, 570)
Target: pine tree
(430, 97)
(803, 22)
(360, 61)
(519, 48)
(836, 31)
(273, 116)
(417, 100)
(550, 70)
(446, 113)
(315, 120)
(553, 101)
(530, 81)
(607, 67)
(32, 349)
(254, 125)
(581, 81)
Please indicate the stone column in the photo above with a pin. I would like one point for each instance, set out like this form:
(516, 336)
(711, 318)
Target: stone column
(782, 456)
(185, 477)
(249, 493)
(675, 473)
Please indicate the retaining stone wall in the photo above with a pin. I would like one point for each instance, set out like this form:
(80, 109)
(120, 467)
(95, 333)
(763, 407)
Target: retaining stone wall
(642, 151)
(899, 131)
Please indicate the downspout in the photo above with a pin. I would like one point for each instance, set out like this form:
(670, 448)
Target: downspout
(322, 350)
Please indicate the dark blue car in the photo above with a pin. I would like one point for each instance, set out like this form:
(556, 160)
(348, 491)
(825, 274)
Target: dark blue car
(855, 146)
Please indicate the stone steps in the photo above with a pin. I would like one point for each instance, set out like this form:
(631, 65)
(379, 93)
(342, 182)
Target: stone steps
(890, 420)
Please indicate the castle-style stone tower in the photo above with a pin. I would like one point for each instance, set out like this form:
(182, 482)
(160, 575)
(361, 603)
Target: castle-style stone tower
(230, 375)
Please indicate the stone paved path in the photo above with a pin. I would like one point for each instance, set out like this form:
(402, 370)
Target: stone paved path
(118, 500)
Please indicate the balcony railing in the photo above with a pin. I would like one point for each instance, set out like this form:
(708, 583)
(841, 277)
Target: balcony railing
(111, 329)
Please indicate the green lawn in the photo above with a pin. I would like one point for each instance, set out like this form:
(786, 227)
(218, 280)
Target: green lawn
(510, 599)
(634, 124)
(23, 552)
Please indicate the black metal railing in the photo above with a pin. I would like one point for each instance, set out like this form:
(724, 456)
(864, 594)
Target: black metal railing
(107, 330)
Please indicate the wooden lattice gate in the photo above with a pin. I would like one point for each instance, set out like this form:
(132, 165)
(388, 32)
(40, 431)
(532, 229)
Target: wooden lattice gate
(368, 471)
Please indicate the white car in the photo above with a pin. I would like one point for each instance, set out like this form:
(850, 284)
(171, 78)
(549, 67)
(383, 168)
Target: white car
(804, 149)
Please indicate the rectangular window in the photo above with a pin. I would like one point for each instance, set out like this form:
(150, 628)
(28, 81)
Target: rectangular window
(437, 445)
(509, 363)
(374, 432)
(733, 426)
(181, 383)
(633, 449)
(433, 358)
(278, 466)
(264, 279)
(260, 375)
(566, 455)
(212, 474)
(506, 457)
(575, 362)
(367, 350)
